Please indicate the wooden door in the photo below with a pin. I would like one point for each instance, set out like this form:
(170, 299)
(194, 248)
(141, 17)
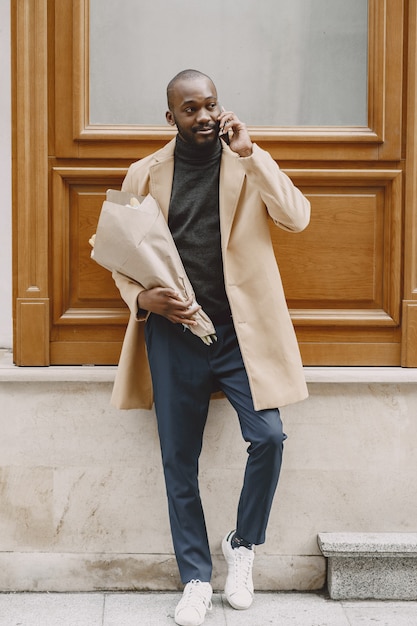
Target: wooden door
(350, 278)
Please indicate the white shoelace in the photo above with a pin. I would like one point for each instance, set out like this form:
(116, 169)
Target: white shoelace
(194, 595)
(242, 567)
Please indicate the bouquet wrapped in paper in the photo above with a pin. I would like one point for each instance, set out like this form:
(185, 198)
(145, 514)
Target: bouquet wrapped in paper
(133, 238)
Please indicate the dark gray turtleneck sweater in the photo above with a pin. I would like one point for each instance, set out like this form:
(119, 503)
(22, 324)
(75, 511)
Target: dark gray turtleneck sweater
(195, 226)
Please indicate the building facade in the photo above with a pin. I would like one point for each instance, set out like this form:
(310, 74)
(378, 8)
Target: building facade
(82, 500)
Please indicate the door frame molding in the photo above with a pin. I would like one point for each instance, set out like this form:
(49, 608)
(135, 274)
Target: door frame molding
(31, 310)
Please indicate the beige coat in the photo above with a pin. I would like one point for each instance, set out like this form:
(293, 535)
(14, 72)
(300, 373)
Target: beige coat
(250, 189)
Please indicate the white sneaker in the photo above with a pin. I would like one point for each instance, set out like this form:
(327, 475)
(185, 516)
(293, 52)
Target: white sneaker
(195, 601)
(239, 583)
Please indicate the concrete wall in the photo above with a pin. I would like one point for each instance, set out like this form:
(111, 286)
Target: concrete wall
(82, 496)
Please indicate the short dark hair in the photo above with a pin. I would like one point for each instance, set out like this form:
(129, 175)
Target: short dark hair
(184, 74)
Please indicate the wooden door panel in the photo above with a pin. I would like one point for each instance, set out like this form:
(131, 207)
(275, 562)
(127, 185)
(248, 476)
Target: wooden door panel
(337, 259)
(81, 288)
(345, 267)
(89, 317)
(336, 273)
(89, 283)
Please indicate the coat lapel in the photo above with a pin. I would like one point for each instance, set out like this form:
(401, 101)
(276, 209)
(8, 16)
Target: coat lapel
(161, 175)
(231, 181)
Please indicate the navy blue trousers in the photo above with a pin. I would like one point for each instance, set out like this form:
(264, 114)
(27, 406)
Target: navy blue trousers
(184, 373)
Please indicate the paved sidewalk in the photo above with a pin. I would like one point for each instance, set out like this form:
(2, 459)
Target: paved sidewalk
(157, 609)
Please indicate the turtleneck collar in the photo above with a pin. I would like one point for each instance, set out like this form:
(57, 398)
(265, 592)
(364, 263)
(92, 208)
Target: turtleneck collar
(197, 154)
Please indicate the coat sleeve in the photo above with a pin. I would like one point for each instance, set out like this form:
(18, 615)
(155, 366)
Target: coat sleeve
(130, 290)
(287, 206)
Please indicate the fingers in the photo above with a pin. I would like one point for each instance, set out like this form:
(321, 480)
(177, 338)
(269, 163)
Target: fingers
(226, 122)
(229, 121)
(185, 312)
(166, 292)
(238, 139)
(169, 304)
(182, 305)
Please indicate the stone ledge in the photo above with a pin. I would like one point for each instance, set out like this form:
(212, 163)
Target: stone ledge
(368, 544)
(380, 566)
(361, 375)
(101, 373)
(54, 373)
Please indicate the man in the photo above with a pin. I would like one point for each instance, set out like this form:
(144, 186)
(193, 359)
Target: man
(218, 200)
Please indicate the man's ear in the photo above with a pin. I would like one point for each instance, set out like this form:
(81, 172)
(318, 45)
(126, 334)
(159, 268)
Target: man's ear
(170, 118)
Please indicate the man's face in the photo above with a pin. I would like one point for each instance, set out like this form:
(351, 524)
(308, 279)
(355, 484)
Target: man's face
(194, 110)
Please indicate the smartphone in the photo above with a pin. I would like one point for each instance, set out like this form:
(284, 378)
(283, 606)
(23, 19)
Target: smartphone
(225, 136)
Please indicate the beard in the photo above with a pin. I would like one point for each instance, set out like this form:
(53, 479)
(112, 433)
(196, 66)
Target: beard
(199, 135)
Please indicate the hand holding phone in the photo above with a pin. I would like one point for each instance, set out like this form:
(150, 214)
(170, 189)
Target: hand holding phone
(234, 133)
